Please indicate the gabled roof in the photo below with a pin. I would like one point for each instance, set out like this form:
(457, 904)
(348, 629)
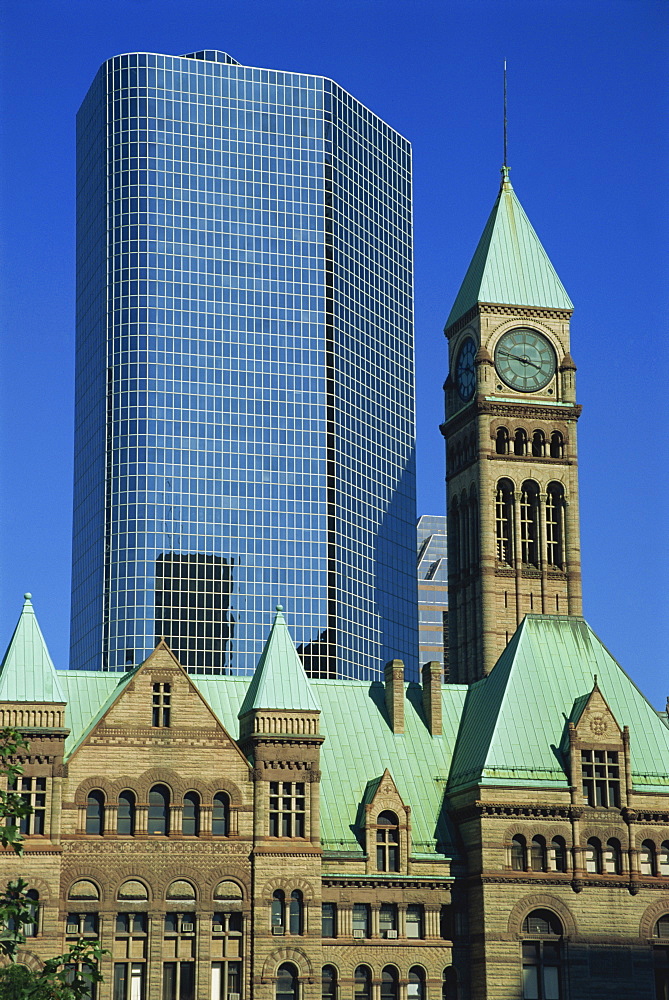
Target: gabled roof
(514, 720)
(27, 672)
(509, 266)
(279, 680)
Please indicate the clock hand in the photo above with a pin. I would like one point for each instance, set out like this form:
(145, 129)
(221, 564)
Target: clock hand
(523, 360)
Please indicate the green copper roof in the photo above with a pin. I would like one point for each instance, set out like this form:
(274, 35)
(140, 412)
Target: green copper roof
(510, 266)
(27, 673)
(515, 720)
(279, 680)
(359, 745)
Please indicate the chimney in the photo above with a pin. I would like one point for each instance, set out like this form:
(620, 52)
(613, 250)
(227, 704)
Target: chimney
(394, 678)
(431, 673)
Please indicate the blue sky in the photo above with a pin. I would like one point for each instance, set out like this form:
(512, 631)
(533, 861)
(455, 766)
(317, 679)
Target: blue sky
(588, 99)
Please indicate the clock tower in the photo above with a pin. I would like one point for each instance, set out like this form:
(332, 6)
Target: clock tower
(511, 456)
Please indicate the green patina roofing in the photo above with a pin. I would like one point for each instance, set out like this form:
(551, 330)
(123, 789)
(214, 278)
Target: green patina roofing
(27, 672)
(279, 680)
(510, 266)
(359, 745)
(514, 720)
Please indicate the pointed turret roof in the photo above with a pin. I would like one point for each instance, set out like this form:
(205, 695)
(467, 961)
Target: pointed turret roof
(510, 266)
(27, 672)
(279, 680)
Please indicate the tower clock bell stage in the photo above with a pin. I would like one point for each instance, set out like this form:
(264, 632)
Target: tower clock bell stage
(511, 454)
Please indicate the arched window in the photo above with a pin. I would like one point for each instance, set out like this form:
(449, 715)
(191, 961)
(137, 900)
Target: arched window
(329, 982)
(661, 958)
(504, 522)
(296, 913)
(518, 854)
(362, 986)
(125, 817)
(159, 810)
(287, 982)
(558, 854)
(557, 445)
(31, 929)
(474, 526)
(449, 984)
(554, 524)
(388, 842)
(278, 911)
(502, 441)
(538, 855)
(542, 956)
(529, 523)
(463, 533)
(648, 858)
(664, 858)
(220, 817)
(95, 813)
(452, 537)
(593, 856)
(190, 821)
(390, 983)
(416, 985)
(520, 442)
(613, 857)
(538, 444)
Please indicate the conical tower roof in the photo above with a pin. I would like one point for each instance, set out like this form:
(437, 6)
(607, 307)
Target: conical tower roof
(279, 680)
(510, 266)
(27, 672)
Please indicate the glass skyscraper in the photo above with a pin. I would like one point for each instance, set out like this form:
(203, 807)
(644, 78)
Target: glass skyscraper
(244, 387)
(432, 590)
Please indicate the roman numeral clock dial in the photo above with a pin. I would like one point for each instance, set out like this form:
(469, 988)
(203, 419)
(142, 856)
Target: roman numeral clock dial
(525, 359)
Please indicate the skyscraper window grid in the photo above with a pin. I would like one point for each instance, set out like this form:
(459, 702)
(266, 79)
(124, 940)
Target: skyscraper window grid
(254, 440)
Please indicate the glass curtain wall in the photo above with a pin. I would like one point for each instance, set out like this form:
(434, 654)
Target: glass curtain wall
(244, 386)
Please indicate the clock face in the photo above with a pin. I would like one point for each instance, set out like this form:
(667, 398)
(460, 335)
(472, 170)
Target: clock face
(465, 373)
(525, 359)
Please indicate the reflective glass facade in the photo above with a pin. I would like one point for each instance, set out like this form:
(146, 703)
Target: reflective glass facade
(244, 388)
(432, 590)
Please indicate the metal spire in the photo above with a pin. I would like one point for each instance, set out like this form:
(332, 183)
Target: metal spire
(505, 164)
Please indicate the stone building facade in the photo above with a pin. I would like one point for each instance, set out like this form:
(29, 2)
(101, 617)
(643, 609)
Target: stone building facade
(288, 839)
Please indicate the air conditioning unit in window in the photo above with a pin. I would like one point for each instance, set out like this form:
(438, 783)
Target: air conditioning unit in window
(277, 930)
(187, 928)
(72, 929)
(391, 934)
(358, 934)
(234, 996)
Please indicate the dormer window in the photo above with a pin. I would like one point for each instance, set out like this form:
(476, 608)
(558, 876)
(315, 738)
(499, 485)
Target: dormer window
(601, 778)
(162, 697)
(388, 842)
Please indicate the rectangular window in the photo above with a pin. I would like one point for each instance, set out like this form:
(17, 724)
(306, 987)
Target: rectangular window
(162, 697)
(128, 981)
(329, 920)
(226, 980)
(361, 920)
(388, 920)
(82, 925)
(601, 778)
(287, 809)
(33, 794)
(415, 921)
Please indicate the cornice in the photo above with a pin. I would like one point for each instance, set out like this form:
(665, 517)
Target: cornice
(533, 810)
(519, 410)
(400, 882)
